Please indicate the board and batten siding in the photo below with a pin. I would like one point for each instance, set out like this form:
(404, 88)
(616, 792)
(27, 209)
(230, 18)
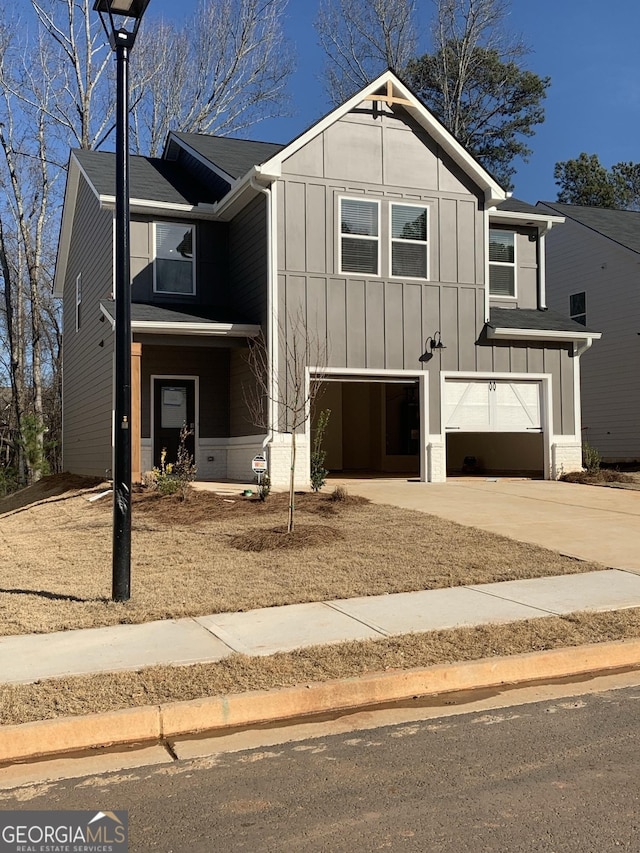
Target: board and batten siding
(382, 322)
(579, 259)
(88, 353)
(527, 291)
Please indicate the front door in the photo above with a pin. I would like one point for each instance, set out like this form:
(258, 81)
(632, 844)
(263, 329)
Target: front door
(174, 407)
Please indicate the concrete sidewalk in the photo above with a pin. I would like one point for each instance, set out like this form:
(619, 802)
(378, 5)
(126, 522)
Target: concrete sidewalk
(34, 657)
(589, 522)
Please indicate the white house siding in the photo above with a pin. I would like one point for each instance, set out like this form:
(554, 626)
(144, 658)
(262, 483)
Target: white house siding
(580, 259)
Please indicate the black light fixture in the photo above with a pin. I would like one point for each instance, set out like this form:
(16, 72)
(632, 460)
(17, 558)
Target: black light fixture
(433, 343)
(121, 21)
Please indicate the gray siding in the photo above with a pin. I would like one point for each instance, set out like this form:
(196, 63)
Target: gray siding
(240, 419)
(526, 270)
(211, 365)
(248, 262)
(211, 264)
(579, 259)
(382, 322)
(88, 353)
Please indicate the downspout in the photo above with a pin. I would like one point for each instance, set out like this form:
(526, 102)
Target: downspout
(271, 309)
(578, 349)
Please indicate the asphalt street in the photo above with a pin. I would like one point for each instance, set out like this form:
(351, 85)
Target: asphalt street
(559, 776)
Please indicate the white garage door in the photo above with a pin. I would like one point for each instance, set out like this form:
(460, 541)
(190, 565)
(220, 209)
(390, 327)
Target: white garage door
(492, 406)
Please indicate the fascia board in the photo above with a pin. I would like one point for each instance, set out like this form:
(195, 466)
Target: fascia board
(231, 330)
(512, 217)
(493, 191)
(162, 208)
(540, 334)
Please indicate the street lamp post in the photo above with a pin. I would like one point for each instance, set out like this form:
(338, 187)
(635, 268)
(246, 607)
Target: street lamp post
(121, 20)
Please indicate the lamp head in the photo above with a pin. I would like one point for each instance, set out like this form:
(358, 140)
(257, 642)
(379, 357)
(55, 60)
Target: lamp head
(120, 14)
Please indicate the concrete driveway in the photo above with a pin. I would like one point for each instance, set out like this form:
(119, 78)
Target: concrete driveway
(589, 522)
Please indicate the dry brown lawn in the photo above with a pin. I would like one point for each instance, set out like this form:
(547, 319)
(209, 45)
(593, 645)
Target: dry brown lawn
(24, 703)
(214, 554)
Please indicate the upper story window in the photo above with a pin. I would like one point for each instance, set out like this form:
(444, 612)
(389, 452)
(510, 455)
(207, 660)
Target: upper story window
(359, 236)
(173, 266)
(578, 307)
(78, 300)
(502, 262)
(409, 241)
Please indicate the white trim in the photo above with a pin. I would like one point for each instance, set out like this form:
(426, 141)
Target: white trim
(343, 374)
(507, 264)
(492, 190)
(162, 208)
(377, 238)
(542, 271)
(426, 243)
(487, 297)
(154, 257)
(541, 334)
(112, 320)
(196, 410)
(75, 171)
(230, 330)
(546, 404)
(511, 216)
(78, 299)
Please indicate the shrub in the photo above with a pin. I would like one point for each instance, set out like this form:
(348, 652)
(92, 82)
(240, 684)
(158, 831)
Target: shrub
(591, 459)
(318, 455)
(172, 477)
(339, 494)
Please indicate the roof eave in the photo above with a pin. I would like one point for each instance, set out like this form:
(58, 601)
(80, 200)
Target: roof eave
(228, 330)
(512, 217)
(501, 333)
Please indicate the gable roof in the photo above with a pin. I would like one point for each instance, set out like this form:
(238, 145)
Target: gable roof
(621, 226)
(235, 157)
(150, 178)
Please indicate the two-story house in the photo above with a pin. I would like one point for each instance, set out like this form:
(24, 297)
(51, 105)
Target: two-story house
(593, 276)
(397, 248)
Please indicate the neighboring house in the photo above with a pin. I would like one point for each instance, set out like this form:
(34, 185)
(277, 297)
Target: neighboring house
(593, 274)
(387, 237)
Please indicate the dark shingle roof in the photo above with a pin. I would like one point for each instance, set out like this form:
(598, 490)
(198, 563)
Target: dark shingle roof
(514, 205)
(149, 178)
(177, 313)
(233, 156)
(621, 226)
(533, 319)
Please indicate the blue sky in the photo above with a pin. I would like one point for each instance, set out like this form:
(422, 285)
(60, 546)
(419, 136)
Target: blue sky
(587, 47)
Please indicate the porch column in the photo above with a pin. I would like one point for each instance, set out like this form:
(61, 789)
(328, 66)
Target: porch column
(136, 356)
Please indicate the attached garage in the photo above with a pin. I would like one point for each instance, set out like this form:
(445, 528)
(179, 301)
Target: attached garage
(374, 426)
(495, 425)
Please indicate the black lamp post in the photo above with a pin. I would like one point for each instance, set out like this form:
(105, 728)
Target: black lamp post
(121, 20)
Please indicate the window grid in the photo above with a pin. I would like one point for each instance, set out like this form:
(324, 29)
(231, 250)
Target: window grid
(173, 249)
(501, 283)
(359, 236)
(578, 307)
(416, 246)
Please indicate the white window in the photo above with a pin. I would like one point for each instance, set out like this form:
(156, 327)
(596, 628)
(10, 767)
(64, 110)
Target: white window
(409, 257)
(173, 267)
(359, 236)
(502, 263)
(78, 300)
(578, 307)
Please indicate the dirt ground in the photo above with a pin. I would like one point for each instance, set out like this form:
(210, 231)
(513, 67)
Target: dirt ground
(216, 554)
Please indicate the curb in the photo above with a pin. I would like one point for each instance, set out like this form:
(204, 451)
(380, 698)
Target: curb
(155, 723)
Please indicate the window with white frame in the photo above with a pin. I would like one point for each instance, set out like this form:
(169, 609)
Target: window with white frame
(578, 307)
(359, 236)
(409, 257)
(78, 300)
(173, 266)
(502, 262)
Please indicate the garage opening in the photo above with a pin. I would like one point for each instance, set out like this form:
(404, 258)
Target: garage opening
(374, 427)
(494, 427)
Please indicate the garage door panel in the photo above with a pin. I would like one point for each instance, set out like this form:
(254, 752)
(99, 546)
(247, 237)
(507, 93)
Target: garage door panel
(492, 406)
